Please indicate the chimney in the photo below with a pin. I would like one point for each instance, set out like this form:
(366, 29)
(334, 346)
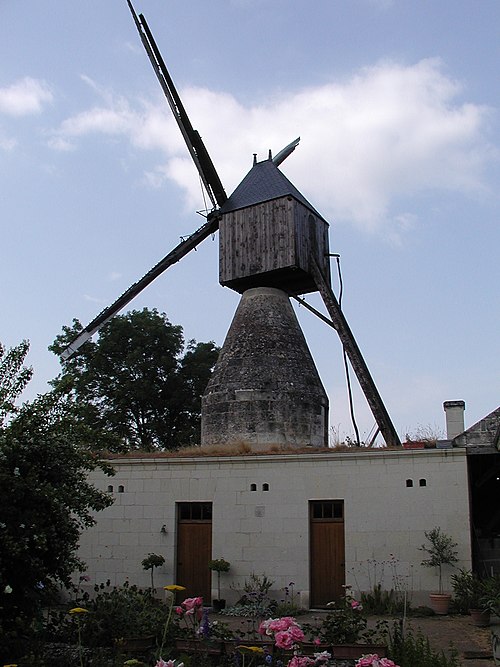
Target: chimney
(454, 411)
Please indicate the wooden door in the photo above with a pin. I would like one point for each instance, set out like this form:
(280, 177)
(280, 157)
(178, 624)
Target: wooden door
(194, 549)
(327, 551)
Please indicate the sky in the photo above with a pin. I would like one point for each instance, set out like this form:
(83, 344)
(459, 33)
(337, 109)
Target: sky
(397, 106)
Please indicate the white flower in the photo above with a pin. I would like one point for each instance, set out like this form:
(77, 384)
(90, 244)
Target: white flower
(7, 589)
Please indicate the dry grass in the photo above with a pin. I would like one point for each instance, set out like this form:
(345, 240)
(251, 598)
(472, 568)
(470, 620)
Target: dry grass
(240, 448)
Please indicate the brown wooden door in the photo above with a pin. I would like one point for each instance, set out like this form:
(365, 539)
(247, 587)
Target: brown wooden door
(194, 549)
(327, 551)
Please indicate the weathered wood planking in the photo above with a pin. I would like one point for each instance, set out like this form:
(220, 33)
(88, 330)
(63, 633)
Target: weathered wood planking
(270, 244)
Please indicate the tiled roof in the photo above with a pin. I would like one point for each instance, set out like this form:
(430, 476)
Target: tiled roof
(263, 182)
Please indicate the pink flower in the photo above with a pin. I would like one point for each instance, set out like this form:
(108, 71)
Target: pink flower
(296, 633)
(370, 660)
(300, 661)
(192, 603)
(179, 611)
(356, 605)
(168, 663)
(316, 641)
(284, 640)
(373, 660)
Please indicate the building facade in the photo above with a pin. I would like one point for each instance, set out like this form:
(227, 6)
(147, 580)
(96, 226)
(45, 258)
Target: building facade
(320, 519)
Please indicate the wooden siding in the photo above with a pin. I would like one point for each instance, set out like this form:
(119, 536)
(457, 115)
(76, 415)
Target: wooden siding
(270, 245)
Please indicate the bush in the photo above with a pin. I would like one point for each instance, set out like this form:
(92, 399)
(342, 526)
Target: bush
(413, 650)
(114, 613)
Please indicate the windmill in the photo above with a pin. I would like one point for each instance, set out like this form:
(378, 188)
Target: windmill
(273, 245)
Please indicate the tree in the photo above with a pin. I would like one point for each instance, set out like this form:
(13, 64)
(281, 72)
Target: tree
(13, 377)
(45, 459)
(138, 383)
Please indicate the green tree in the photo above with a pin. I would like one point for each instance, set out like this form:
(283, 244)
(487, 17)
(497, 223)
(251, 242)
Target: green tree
(139, 383)
(45, 459)
(13, 377)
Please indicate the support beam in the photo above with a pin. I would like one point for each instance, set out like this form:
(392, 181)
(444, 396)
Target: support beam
(353, 352)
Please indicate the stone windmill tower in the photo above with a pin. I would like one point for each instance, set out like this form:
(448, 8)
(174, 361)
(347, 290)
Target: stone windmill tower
(265, 388)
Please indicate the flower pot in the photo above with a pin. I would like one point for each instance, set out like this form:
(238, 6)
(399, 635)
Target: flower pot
(413, 445)
(218, 605)
(480, 617)
(198, 646)
(136, 644)
(440, 603)
(310, 648)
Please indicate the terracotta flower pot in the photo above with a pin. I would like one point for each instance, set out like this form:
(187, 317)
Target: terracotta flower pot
(480, 617)
(440, 603)
(198, 646)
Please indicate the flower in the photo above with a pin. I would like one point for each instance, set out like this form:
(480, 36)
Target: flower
(324, 656)
(356, 605)
(78, 610)
(300, 661)
(250, 649)
(284, 639)
(174, 587)
(168, 663)
(373, 660)
(190, 604)
(7, 589)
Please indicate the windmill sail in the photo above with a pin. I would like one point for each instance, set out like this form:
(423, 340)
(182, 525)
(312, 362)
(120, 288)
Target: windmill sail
(180, 251)
(195, 145)
(208, 176)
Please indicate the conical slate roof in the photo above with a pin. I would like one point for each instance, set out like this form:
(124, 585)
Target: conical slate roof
(263, 182)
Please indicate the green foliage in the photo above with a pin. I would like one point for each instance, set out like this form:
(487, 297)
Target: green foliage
(219, 565)
(114, 613)
(407, 649)
(150, 562)
(45, 458)
(290, 605)
(468, 590)
(138, 383)
(379, 601)
(13, 377)
(344, 624)
(441, 551)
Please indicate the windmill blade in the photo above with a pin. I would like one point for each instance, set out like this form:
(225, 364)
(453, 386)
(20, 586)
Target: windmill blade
(194, 143)
(285, 152)
(180, 251)
(339, 322)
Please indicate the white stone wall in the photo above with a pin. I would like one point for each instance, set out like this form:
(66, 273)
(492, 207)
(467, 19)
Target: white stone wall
(267, 531)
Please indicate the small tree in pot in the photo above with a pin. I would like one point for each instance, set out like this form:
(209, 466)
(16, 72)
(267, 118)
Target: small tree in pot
(441, 551)
(219, 565)
(149, 563)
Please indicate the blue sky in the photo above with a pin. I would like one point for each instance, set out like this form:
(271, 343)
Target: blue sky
(397, 106)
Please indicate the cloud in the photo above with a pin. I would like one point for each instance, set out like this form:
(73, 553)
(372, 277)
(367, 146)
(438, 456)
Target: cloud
(388, 132)
(24, 97)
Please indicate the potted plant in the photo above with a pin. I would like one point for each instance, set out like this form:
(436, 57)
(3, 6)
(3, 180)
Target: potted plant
(441, 551)
(219, 565)
(471, 595)
(149, 563)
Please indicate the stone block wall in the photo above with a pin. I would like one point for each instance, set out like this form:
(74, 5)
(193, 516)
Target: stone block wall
(261, 515)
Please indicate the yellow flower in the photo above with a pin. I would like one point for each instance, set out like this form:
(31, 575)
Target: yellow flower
(78, 610)
(12, 665)
(250, 649)
(174, 587)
